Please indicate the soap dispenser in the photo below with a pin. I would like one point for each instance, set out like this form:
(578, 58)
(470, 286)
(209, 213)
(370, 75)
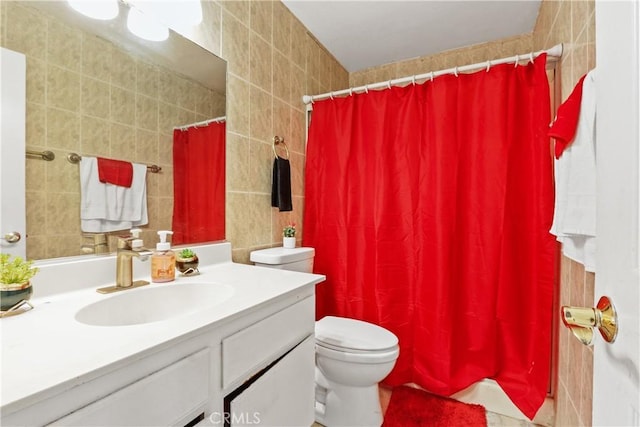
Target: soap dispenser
(163, 260)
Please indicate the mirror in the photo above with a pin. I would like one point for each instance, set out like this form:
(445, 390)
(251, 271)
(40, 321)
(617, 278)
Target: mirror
(95, 89)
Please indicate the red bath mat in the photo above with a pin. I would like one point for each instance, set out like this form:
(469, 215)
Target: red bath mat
(411, 407)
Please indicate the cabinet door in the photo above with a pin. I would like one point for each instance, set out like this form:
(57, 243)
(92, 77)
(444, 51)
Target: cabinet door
(281, 396)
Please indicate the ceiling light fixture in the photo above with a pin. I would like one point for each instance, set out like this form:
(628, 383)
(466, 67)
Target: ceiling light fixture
(96, 9)
(142, 26)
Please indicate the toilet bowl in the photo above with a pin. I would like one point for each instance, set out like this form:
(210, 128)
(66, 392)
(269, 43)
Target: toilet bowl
(352, 356)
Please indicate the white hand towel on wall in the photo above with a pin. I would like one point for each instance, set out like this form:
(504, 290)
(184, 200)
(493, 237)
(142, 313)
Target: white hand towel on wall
(574, 219)
(106, 207)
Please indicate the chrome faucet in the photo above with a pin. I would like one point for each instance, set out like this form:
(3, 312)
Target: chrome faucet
(126, 251)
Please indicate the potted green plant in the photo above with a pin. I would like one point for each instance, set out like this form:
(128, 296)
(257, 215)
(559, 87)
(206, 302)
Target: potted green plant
(289, 236)
(15, 280)
(187, 262)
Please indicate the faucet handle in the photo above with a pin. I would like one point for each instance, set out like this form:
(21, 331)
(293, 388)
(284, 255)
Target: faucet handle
(136, 242)
(132, 241)
(124, 242)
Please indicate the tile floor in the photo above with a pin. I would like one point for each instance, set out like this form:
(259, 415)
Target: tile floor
(493, 419)
(497, 420)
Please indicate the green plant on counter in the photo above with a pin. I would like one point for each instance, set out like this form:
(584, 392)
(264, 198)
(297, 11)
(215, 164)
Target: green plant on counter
(289, 231)
(15, 271)
(186, 254)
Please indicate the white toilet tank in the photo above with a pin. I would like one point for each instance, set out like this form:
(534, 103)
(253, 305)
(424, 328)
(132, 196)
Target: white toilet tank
(296, 259)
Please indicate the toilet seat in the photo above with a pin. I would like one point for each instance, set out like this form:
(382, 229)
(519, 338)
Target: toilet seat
(363, 357)
(354, 336)
(351, 350)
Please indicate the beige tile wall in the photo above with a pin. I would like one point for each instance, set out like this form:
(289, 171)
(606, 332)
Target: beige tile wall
(272, 62)
(572, 23)
(86, 95)
(468, 55)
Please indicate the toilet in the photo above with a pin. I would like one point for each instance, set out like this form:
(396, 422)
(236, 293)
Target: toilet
(352, 356)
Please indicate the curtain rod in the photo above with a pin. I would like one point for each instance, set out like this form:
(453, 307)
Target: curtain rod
(202, 123)
(554, 54)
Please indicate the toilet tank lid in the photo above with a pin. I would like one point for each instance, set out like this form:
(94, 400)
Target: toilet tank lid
(355, 334)
(280, 255)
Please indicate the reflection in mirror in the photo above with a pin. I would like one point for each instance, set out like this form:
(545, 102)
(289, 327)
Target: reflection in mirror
(95, 89)
(199, 186)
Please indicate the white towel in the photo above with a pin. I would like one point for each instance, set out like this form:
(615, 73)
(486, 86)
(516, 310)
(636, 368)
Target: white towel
(574, 219)
(107, 207)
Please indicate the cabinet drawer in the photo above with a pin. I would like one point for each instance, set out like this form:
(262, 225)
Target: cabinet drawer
(166, 397)
(251, 349)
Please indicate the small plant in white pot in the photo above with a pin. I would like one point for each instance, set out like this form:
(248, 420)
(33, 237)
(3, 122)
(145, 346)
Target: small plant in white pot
(15, 280)
(289, 236)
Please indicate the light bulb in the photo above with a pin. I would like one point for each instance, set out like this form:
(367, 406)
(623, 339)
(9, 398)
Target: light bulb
(144, 27)
(96, 9)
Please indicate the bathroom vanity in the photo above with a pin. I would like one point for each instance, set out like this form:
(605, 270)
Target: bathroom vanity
(232, 346)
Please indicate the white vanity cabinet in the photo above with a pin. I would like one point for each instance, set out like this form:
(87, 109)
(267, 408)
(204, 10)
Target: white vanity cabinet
(245, 360)
(255, 368)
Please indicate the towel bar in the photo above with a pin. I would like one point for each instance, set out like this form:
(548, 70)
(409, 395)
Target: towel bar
(44, 155)
(75, 159)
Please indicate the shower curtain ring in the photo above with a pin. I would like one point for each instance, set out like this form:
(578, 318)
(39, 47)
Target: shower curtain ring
(366, 88)
(331, 95)
(413, 80)
(350, 91)
(488, 66)
(516, 62)
(389, 84)
(531, 57)
(455, 71)
(431, 76)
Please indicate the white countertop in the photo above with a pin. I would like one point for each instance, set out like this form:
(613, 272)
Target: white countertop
(46, 351)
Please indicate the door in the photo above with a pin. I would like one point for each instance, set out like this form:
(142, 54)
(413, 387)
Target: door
(616, 379)
(255, 403)
(12, 152)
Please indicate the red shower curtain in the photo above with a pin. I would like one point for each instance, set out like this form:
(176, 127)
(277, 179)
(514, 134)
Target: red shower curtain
(199, 184)
(429, 207)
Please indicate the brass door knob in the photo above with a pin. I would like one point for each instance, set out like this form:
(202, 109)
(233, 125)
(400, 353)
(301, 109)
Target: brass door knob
(12, 237)
(582, 321)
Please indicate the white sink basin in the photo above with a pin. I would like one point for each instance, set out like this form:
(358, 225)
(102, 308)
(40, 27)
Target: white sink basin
(153, 303)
